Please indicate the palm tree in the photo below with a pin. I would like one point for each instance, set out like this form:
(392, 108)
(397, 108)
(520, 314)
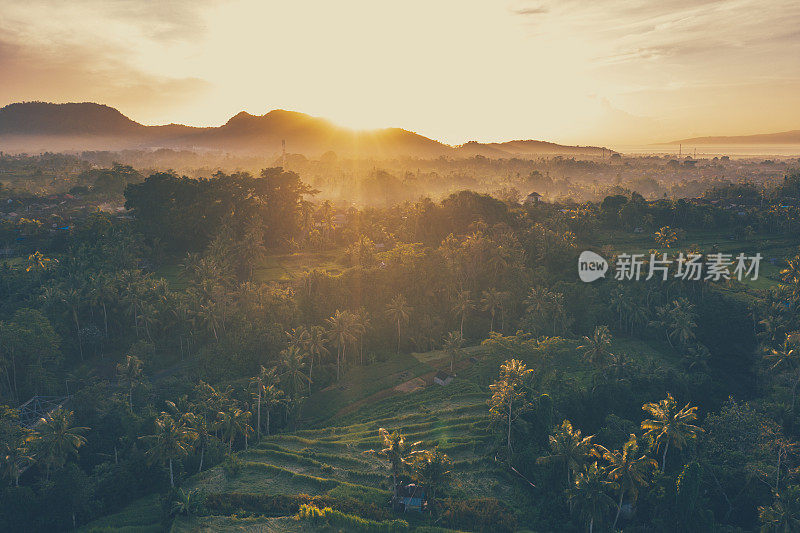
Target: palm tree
(678, 321)
(198, 426)
(58, 438)
(265, 378)
(397, 452)
(491, 302)
(627, 468)
(783, 516)
(73, 299)
(569, 449)
(316, 347)
(271, 398)
(596, 348)
(453, 345)
(16, 455)
(360, 325)
(292, 375)
(171, 440)
(589, 496)
(399, 312)
(234, 422)
(508, 399)
(462, 307)
(129, 373)
(791, 275)
(669, 425)
(786, 357)
(341, 333)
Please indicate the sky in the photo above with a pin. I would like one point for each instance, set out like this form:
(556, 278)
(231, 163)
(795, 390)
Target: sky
(576, 71)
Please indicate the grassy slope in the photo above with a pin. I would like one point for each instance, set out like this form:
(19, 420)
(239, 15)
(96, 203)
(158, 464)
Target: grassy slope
(329, 459)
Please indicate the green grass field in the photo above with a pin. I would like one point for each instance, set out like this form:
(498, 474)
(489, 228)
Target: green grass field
(774, 250)
(274, 267)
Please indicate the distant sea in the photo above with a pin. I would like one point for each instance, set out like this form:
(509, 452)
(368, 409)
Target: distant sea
(738, 151)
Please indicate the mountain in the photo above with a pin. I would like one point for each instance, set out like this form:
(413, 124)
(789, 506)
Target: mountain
(36, 126)
(785, 137)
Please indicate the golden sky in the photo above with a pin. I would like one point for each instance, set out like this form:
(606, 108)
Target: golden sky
(600, 71)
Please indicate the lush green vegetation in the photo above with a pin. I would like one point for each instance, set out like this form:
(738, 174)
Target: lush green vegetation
(231, 353)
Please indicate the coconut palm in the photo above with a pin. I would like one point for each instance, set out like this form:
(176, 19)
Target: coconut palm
(790, 275)
(316, 347)
(397, 451)
(234, 422)
(129, 373)
(462, 306)
(627, 468)
(589, 496)
(399, 312)
(669, 425)
(171, 440)
(786, 358)
(259, 383)
(453, 346)
(783, 516)
(16, 455)
(492, 302)
(569, 450)
(58, 438)
(292, 375)
(509, 395)
(596, 348)
(201, 430)
(271, 398)
(340, 331)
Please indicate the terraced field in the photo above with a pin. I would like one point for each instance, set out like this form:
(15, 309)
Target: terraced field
(331, 466)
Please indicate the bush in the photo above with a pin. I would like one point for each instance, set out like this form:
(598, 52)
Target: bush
(485, 514)
(283, 505)
(332, 517)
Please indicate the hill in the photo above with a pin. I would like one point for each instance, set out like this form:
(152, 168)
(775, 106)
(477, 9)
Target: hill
(785, 137)
(34, 126)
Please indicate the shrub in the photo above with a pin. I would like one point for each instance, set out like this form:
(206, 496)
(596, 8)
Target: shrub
(332, 517)
(485, 514)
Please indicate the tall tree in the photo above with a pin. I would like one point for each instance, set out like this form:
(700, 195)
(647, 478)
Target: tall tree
(170, 441)
(589, 497)
(453, 346)
(399, 312)
(58, 439)
(669, 425)
(397, 451)
(568, 449)
(628, 469)
(462, 306)
(509, 396)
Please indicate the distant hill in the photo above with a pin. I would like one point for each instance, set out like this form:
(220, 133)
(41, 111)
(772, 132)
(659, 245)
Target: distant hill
(37, 126)
(785, 137)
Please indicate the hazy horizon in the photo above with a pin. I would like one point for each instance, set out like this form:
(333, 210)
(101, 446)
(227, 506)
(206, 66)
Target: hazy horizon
(566, 72)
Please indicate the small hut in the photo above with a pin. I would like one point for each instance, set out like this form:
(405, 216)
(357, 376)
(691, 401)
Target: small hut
(442, 378)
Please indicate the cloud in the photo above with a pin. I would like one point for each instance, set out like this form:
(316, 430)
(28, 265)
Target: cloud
(87, 50)
(532, 11)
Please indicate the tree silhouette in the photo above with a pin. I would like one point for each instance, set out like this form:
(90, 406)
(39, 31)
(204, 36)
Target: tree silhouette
(397, 451)
(627, 468)
(58, 438)
(398, 312)
(589, 497)
(171, 440)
